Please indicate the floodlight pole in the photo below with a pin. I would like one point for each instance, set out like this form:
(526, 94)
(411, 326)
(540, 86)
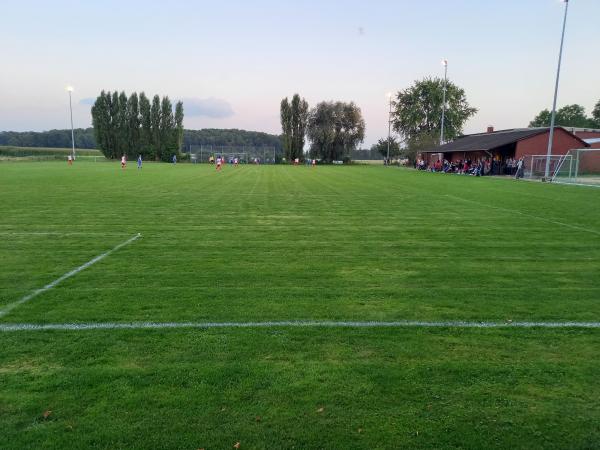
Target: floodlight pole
(445, 64)
(389, 130)
(70, 89)
(553, 119)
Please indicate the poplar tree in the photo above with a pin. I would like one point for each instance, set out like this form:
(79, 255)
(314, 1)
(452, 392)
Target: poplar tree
(179, 124)
(133, 126)
(122, 125)
(146, 126)
(294, 119)
(101, 123)
(168, 138)
(155, 127)
(113, 129)
(299, 109)
(285, 112)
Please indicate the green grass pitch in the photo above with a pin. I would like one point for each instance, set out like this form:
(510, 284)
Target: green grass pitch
(275, 243)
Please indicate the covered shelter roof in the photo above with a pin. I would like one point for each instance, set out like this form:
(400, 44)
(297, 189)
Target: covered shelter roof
(490, 141)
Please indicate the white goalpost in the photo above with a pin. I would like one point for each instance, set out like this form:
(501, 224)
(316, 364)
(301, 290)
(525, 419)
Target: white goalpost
(244, 153)
(579, 166)
(535, 165)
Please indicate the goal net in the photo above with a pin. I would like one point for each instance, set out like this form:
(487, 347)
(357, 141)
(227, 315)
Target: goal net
(244, 153)
(580, 166)
(535, 166)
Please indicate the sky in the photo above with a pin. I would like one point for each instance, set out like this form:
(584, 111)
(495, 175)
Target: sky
(231, 62)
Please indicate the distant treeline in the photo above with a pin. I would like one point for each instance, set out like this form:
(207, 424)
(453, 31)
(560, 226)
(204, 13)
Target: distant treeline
(84, 138)
(230, 138)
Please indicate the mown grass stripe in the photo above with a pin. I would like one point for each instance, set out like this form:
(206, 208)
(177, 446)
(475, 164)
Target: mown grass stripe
(8, 308)
(514, 211)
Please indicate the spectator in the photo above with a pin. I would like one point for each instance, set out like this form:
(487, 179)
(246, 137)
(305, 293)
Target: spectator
(519, 172)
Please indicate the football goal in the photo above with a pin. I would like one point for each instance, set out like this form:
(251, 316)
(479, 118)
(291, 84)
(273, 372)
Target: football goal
(535, 166)
(580, 166)
(244, 153)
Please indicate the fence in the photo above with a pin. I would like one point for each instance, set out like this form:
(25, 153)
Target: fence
(245, 153)
(10, 153)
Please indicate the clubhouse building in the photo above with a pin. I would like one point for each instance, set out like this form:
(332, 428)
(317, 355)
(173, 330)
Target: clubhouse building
(499, 147)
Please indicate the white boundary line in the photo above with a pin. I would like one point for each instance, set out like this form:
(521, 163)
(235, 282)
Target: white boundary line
(512, 211)
(60, 233)
(8, 308)
(566, 183)
(287, 324)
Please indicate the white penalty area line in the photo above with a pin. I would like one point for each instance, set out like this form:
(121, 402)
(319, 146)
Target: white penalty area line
(287, 324)
(8, 308)
(512, 211)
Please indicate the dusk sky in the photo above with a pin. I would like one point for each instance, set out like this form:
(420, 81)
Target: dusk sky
(231, 62)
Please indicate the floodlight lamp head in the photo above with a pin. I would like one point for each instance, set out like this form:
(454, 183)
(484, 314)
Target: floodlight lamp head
(445, 62)
(69, 88)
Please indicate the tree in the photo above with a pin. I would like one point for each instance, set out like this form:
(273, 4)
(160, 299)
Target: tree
(228, 138)
(146, 127)
(179, 124)
(382, 147)
(133, 126)
(285, 113)
(418, 110)
(567, 116)
(155, 121)
(101, 124)
(85, 137)
(167, 134)
(299, 109)
(572, 116)
(334, 129)
(121, 124)
(424, 141)
(596, 115)
(113, 108)
(541, 120)
(294, 119)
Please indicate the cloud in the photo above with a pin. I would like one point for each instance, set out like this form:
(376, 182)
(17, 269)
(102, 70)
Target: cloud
(87, 101)
(215, 108)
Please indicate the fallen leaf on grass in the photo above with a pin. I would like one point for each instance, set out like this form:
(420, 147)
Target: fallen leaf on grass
(258, 419)
(360, 430)
(320, 410)
(46, 414)
(236, 445)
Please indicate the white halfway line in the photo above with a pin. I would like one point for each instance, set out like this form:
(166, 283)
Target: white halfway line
(8, 308)
(284, 324)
